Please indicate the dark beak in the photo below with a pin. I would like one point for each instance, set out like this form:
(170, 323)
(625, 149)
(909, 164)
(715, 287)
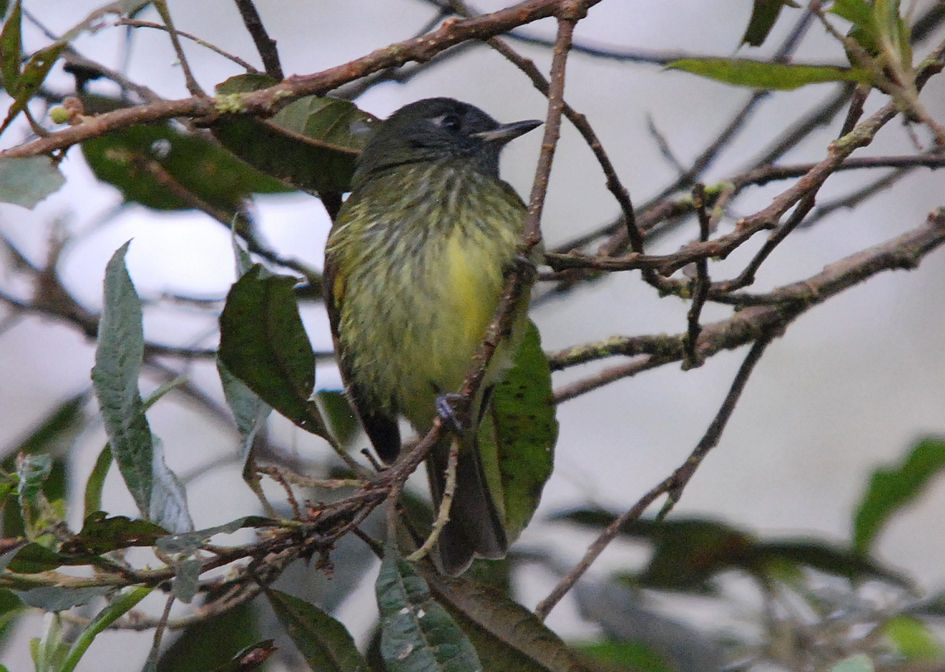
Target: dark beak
(505, 132)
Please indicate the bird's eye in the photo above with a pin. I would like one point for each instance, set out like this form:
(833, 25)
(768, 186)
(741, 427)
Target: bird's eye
(450, 122)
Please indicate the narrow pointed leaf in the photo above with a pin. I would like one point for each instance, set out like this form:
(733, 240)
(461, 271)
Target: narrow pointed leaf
(96, 482)
(325, 643)
(761, 75)
(263, 343)
(11, 46)
(764, 14)
(249, 411)
(892, 488)
(417, 633)
(517, 438)
(102, 620)
(30, 79)
(507, 636)
(115, 380)
(157, 492)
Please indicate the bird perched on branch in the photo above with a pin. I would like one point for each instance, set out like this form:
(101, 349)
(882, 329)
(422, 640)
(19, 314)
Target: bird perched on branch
(414, 271)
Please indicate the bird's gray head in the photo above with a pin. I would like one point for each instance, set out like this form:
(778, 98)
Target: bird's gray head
(435, 129)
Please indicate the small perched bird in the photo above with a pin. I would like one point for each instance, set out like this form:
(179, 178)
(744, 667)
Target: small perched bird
(414, 270)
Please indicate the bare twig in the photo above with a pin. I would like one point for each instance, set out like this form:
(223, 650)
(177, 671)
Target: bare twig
(265, 45)
(671, 486)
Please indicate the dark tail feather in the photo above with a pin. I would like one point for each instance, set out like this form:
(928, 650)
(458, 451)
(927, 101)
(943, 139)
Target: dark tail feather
(474, 527)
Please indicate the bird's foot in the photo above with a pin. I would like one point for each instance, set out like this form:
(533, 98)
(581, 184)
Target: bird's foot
(454, 409)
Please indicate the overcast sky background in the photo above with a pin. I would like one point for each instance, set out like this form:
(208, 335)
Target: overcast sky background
(850, 386)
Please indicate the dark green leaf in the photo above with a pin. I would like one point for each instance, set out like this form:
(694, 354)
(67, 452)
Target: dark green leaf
(11, 47)
(263, 343)
(417, 634)
(30, 79)
(687, 553)
(507, 636)
(96, 481)
(55, 598)
(761, 75)
(143, 160)
(764, 14)
(101, 534)
(890, 489)
(523, 429)
(34, 558)
(312, 142)
(111, 613)
(325, 643)
(212, 644)
(340, 417)
(29, 180)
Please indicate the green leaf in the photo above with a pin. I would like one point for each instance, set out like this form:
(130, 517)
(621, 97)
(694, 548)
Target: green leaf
(324, 643)
(111, 613)
(101, 533)
(891, 489)
(761, 75)
(417, 633)
(157, 492)
(857, 663)
(212, 644)
(519, 435)
(32, 472)
(11, 47)
(11, 608)
(312, 142)
(96, 481)
(913, 639)
(144, 161)
(341, 419)
(56, 598)
(506, 635)
(30, 79)
(49, 653)
(764, 14)
(29, 180)
(118, 358)
(263, 343)
(857, 12)
(33, 558)
(687, 553)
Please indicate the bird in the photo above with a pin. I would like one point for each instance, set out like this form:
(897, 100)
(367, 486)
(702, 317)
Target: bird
(415, 265)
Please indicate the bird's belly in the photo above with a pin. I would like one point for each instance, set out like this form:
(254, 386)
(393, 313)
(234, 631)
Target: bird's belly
(428, 324)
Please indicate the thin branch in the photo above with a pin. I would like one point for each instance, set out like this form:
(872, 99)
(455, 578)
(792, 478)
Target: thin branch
(268, 101)
(190, 80)
(672, 485)
(137, 23)
(700, 289)
(265, 45)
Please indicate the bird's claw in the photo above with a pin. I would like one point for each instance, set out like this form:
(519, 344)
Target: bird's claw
(453, 408)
